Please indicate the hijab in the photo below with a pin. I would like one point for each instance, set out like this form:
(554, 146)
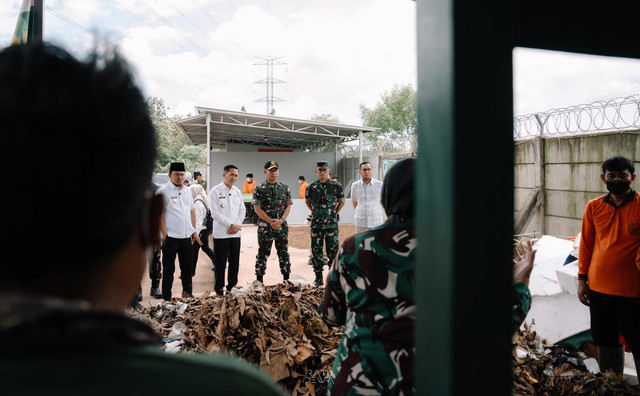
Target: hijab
(397, 190)
(198, 192)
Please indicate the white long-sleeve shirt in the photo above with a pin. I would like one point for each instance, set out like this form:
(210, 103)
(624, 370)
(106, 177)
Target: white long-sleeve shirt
(201, 213)
(227, 208)
(178, 203)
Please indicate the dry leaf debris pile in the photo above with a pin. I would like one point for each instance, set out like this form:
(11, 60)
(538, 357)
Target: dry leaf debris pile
(550, 370)
(276, 327)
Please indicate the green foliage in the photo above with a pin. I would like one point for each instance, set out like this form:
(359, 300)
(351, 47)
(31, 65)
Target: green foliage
(173, 144)
(243, 109)
(326, 117)
(395, 114)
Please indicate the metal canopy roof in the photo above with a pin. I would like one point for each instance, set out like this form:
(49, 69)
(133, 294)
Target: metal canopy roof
(256, 129)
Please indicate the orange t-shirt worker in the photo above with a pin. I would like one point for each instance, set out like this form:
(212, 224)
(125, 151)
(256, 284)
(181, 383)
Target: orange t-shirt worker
(249, 185)
(303, 187)
(608, 278)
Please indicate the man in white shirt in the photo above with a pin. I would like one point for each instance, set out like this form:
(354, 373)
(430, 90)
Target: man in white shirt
(227, 209)
(178, 228)
(365, 197)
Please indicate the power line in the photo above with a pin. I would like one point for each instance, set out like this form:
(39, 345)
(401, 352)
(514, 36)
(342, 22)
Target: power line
(206, 13)
(189, 40)
(138, 17)
(169, 24)
(110, 43)
(77, 25)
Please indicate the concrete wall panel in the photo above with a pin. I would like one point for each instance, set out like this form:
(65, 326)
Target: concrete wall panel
(567, 203)
(561, 226)
(524, 176)
(574, 177)
(524, 152)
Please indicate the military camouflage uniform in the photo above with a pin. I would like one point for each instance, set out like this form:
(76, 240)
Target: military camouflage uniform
(370, 290)
(273, 199)
(521, 304)
(155, 265)
(324, 199)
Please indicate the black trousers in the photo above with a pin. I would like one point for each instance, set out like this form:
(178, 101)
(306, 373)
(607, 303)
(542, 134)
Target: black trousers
(612, 316)
(204, 237)
(227, 249)
(184, 250)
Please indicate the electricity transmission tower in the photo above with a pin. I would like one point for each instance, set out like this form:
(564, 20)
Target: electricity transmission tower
(269, 81)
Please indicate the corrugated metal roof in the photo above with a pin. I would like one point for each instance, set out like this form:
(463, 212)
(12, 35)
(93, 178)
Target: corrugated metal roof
(256, 129)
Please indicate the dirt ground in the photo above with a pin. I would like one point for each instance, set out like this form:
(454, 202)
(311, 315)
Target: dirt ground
(299, 244)
(299, 236)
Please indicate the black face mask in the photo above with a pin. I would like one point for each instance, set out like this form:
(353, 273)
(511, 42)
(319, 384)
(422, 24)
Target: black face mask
(618, 186)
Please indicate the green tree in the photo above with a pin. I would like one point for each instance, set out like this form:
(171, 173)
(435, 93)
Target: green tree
(395, 114)
(326, 117)
(173, 144)
(243, 109)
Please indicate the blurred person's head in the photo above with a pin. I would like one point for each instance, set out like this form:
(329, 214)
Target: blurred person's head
(397, 190)
(62, 119)
(198, 176)
(300, 179)
(197, 191)
(230, 175)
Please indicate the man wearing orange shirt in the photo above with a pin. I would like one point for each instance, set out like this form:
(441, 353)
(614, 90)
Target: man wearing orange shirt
(608, 279)
(303, 187)
(249, 185)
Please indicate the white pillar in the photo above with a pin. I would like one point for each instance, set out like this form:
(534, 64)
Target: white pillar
(208, 166)
(335, 158)
(360, 145)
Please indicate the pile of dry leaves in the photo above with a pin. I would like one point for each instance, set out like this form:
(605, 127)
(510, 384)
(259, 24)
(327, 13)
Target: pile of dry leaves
(276, 327)
(542, 369)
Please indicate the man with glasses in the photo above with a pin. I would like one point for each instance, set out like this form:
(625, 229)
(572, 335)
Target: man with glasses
(608, 279)
(325, 199)
(272, 203)
(365, 197)
(178, 228)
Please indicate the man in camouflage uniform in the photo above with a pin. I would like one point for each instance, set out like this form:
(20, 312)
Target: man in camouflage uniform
(325, 198)
(155, 265)
(199, 180)
(155, 272)
(272, 203)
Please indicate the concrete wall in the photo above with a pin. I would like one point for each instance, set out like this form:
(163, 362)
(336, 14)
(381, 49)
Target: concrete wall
(571, 169)
(291, 165)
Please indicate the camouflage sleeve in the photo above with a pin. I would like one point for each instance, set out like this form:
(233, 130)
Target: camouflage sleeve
(289, 200)
(307, 196)
(339, 192)
(257, 197)
(334, 305)
(521, 304)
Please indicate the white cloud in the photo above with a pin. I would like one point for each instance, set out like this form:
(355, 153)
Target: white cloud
(338, 54)
(544, 80)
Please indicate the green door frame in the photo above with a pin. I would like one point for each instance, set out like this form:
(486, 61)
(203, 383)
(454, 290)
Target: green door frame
(464, 179)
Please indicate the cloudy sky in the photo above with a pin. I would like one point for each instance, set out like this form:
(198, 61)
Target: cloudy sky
(338, 54)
